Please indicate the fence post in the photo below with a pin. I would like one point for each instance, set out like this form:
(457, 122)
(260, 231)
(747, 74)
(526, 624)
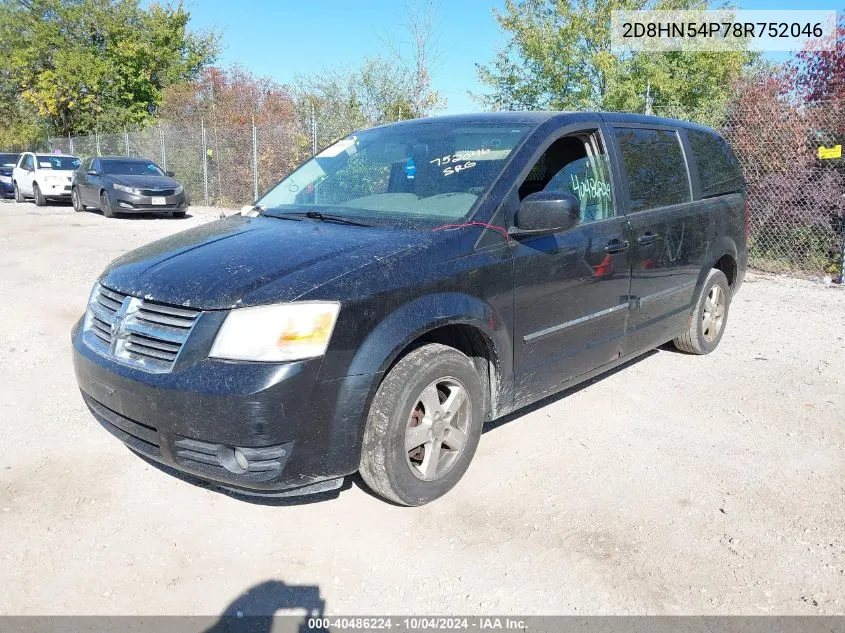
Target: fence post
(313, 130)
(70, 142)
(97, 138)
(254, 160)
(126, 140)
(841, 278)
(204, 161)
(163, 154)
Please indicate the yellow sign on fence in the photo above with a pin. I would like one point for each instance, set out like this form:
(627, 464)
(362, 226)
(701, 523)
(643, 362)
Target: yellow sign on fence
(830, 152)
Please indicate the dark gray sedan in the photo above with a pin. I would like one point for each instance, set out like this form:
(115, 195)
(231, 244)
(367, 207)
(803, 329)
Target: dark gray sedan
(120, 184)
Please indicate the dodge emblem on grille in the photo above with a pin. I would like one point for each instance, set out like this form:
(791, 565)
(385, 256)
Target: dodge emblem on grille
(118, 331)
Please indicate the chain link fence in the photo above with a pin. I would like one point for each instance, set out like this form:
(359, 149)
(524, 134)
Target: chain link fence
(796, 199)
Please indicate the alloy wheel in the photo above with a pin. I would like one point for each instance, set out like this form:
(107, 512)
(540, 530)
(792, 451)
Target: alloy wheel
(714, 313)
(437, 429)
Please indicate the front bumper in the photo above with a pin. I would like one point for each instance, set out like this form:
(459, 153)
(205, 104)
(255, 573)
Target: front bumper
(130, 203)
(60, 189)
(7, 189)
(293, 429)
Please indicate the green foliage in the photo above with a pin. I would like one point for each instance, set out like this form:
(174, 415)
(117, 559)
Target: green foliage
(83, 65)
(559, 58)
(376, 92)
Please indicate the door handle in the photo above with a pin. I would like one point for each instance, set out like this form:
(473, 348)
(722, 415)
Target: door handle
(616, 246)
(647, 238)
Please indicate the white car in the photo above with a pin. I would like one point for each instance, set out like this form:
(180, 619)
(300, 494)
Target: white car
(43, 176)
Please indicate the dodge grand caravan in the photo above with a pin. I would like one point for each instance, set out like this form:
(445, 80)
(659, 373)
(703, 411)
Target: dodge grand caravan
(407, 284)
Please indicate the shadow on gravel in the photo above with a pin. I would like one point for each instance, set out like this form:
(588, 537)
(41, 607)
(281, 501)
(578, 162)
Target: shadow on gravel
(141, 216)
(254, 609)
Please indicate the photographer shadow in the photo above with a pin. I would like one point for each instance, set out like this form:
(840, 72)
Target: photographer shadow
(255, 609)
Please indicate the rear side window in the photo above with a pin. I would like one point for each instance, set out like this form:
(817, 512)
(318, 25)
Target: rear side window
(718, 168)
(654, 166)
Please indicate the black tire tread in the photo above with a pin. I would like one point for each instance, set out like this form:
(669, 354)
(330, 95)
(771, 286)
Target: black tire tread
(690, 340)
(40, 200)
(105, 206)
(373, 466)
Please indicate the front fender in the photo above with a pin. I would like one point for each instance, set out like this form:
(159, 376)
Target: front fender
(421, 315)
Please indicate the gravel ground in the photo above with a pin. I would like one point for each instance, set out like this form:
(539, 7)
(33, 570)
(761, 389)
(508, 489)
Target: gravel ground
(675, 485)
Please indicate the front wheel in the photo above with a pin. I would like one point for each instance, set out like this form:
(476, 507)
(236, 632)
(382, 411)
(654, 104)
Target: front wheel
(105, 205)
(40, 200)
(709, 317)
(76, 200)
(18, 195)
(424, 426)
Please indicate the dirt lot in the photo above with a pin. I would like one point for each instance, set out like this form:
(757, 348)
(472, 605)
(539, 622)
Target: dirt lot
(678, 484)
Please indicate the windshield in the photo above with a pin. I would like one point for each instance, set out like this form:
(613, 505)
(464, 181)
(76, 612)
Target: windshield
(131, 168)
(8, 160)
(51, 161)
(420, 174)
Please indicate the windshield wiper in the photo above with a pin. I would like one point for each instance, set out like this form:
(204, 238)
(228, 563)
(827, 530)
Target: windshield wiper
(314, 215)
(327, 217)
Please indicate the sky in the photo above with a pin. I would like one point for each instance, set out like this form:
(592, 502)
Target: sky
(283, 38)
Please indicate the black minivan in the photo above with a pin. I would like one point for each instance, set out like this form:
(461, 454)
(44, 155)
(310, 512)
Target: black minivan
(406, 285)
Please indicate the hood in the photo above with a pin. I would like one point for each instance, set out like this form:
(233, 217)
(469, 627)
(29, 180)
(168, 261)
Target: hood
(144, 182)
(240, 261)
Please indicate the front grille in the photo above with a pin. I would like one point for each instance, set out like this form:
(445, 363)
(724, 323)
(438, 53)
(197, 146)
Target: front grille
(157, 192)
(135, 331)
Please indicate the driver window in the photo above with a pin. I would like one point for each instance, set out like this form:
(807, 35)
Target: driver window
(578, 165)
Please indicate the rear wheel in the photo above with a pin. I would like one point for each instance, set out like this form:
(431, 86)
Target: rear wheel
(424, 426)
(105, 205)
(76, 200)
(40, 200)
(708, 320)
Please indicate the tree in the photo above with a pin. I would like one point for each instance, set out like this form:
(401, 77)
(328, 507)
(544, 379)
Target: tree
(424, 58)
(559, 57)
(345, 99)
(96, 64)
(228, 103)
(792, 195)
(820, 74)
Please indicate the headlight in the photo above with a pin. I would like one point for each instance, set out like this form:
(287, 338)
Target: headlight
(281, 332)
(178, 190)
(131, 190)
(5, 178)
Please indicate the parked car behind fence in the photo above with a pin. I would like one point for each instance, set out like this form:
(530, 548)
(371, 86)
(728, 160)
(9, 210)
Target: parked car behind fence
(7, 164)
(123, 184)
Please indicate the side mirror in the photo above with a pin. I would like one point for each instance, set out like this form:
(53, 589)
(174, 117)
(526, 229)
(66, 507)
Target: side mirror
(170, 173)
(92, 172)
(547, 212)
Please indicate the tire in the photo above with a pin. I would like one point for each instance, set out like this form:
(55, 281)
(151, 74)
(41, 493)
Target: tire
(410, 477)
(178, 214)
(708, 320)
(18, 195)
(76, 200)
(40, 200)
(105, 205)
